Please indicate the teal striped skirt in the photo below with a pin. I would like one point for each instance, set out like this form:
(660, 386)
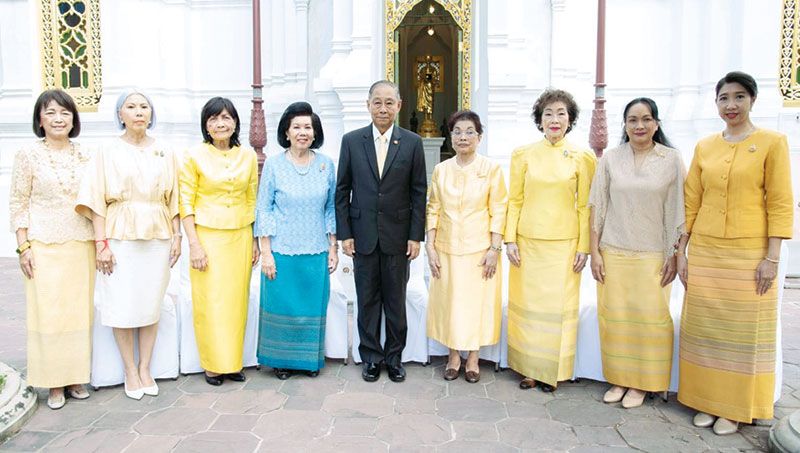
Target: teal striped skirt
(293, 309)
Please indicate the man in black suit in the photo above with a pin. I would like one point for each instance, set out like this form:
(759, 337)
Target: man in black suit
(380, 218)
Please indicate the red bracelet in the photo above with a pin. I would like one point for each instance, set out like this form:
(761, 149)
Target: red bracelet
(104, 242)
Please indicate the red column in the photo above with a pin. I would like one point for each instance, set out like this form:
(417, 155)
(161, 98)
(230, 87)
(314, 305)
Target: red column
(598, 134)
(258, 126)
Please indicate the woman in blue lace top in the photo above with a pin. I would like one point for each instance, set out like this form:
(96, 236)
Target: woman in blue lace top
(296, 224)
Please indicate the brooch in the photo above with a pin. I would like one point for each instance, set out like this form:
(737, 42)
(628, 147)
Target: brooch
(752, 148)
(322, 167)
(158, 153)
(566, 153)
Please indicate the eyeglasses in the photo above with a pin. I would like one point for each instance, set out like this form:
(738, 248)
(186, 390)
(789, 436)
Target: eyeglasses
(468, 133)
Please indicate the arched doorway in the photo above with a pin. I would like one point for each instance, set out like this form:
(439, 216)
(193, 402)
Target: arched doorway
(425, 39)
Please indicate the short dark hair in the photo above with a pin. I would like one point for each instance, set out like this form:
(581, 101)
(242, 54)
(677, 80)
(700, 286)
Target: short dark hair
(64, 100)
(293, 111)
(742, 78)
(214, 107)
(465, 115)
(659, 136)
(384, 83)
(549, 96)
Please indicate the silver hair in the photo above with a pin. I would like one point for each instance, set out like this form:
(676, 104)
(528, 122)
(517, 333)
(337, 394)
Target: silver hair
(384, 83)
(121, 100)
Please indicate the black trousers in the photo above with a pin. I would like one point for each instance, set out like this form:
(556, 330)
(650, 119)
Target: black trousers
(381, 281)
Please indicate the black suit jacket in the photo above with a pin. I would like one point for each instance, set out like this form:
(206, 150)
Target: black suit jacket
(389, 210)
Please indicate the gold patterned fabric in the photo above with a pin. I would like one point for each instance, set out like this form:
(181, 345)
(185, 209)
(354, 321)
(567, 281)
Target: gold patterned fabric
(543, 310)
(134, 188)
(44, 185)
(636, 331)
(727, 345)
(59, 314)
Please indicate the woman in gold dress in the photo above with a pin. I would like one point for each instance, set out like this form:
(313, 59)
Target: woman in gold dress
(55, 249)
(547, 236)
(218, 184)
(466, 217)
(738, 210)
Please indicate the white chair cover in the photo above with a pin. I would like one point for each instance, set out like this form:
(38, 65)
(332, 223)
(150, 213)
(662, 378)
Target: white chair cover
(336, 324)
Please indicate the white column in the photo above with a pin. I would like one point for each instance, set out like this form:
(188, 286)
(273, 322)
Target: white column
(301, 38)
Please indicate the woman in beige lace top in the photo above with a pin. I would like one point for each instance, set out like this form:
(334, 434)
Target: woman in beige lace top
(52, 239)
(130, 192)
(637, 217)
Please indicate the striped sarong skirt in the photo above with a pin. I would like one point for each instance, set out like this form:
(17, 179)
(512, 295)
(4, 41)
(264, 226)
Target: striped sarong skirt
(727, 342)
(543, 310)
(636, 331)
(293, 313)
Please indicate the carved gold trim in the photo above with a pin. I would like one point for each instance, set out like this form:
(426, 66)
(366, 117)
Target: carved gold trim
(461, 10)
(52, 60)
(789, 59)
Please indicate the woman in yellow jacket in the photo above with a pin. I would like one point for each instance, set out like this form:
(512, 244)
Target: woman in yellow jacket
(218, 184)
(547, 233)
(466, 216)
(738, 196)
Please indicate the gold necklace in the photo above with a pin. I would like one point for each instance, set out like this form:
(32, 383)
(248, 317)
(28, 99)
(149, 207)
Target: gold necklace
(71, 185)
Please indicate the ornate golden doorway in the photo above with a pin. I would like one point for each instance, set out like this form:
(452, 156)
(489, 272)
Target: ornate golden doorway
(428, 48)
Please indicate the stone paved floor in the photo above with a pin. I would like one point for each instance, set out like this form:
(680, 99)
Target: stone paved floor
(337, 411)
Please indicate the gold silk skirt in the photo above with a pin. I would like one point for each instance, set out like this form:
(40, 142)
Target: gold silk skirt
(464, 310)
(220, 296)
(636, 331)
(59, 314)
(727, 344)
(543, 310)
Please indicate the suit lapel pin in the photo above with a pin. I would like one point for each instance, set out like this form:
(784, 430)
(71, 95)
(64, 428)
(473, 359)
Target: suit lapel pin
(396, 142)
(752, 148)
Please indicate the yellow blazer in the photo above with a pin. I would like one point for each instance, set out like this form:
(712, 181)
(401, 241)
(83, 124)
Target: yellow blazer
(548, 192)
(466, 205)
(738, 190)
(219, 187)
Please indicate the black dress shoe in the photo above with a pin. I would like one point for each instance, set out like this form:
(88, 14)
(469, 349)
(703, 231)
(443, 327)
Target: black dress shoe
(214, 380)
(371, 371)
(236, 377)
(547, 388)
(314, 373)
(396, 373)
(283, 373)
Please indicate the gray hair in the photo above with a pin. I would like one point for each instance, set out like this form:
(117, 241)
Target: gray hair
(384, 83)
(121, 100)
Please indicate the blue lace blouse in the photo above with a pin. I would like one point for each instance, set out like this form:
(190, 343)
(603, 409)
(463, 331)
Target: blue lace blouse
(295, 205)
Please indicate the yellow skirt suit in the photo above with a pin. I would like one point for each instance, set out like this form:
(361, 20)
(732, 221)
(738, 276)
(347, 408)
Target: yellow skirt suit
(219, 189)
(466, 205)
(548, 219)
(737, 196)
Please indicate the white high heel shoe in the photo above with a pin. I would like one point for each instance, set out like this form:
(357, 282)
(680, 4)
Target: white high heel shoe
(133, 394)
(152, 390)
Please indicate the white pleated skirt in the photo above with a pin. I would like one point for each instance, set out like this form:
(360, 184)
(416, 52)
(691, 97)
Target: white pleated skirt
(132, 295)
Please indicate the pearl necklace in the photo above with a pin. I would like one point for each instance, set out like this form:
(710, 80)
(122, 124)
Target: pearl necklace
(295, 166)
(72, 180)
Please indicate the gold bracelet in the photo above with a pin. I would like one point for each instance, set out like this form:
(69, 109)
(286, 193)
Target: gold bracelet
(772, 260)
(22, 247)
